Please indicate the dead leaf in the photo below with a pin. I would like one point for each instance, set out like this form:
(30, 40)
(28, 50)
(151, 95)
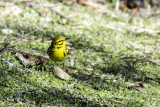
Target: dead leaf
(139, 86)
(60, 73)
(24, 61)
(32, 57)
(135, 10)
(92, 5)
(37, 58)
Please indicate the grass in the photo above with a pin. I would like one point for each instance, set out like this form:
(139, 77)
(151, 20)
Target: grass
(110, 53)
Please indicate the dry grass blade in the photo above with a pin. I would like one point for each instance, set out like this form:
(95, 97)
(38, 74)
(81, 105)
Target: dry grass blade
(104, 101)
(117, 101)
(11, 65)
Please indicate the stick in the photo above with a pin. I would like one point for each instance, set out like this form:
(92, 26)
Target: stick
(143, 58)
(117, 101)
(62, 16)
(11, 65)
(104, 101)
(5, 48)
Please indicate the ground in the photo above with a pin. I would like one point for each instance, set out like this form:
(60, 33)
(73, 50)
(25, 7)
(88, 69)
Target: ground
(114, 56)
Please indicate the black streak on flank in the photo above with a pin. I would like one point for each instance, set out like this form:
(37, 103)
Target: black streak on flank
(50, 51)
(64, 53)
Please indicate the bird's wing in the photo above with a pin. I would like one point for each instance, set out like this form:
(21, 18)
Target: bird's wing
(50, 50)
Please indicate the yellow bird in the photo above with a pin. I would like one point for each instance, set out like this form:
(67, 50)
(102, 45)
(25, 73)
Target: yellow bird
(57, 51)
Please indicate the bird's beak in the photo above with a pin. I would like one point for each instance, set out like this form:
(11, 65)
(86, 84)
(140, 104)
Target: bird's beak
(67, 38)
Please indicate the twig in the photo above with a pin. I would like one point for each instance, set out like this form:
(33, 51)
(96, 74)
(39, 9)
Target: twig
(104, 101)
(31, 32)
(11, 65)
(145, 59)
(142, 58)
(5, 48)
(31, 5)
(152, 79)
(82, 96)
(71, 85)
(116, 101)
(62, 16)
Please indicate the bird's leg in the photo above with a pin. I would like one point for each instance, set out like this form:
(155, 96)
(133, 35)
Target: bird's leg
(54, 66)
(53, 70)
(63, 64)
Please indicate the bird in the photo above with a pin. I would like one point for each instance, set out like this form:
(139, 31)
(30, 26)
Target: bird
(57, 51)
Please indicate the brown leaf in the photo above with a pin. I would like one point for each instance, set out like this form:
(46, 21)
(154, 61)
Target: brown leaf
(139, 86)
(130, 5)
(32, 57)
(22, 59)
(37, 58)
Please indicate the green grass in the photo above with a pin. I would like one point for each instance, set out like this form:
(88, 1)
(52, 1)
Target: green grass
(98, 41)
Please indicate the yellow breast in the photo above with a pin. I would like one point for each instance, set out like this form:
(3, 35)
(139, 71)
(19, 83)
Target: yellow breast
(58, 55)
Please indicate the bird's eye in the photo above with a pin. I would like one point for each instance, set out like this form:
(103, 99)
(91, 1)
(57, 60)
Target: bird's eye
(60, 42)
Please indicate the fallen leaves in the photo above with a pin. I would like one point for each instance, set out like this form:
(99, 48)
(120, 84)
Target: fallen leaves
(139, 86)
(25, 57)
(24, 61)
(29, 59)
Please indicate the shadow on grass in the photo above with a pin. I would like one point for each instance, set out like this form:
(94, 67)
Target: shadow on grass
(54, 96)
(114, 72)
(80, 43)
(38, 95)
(47, 95)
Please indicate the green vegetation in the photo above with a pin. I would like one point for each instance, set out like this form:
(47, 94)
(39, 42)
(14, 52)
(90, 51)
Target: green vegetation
(114, 57)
